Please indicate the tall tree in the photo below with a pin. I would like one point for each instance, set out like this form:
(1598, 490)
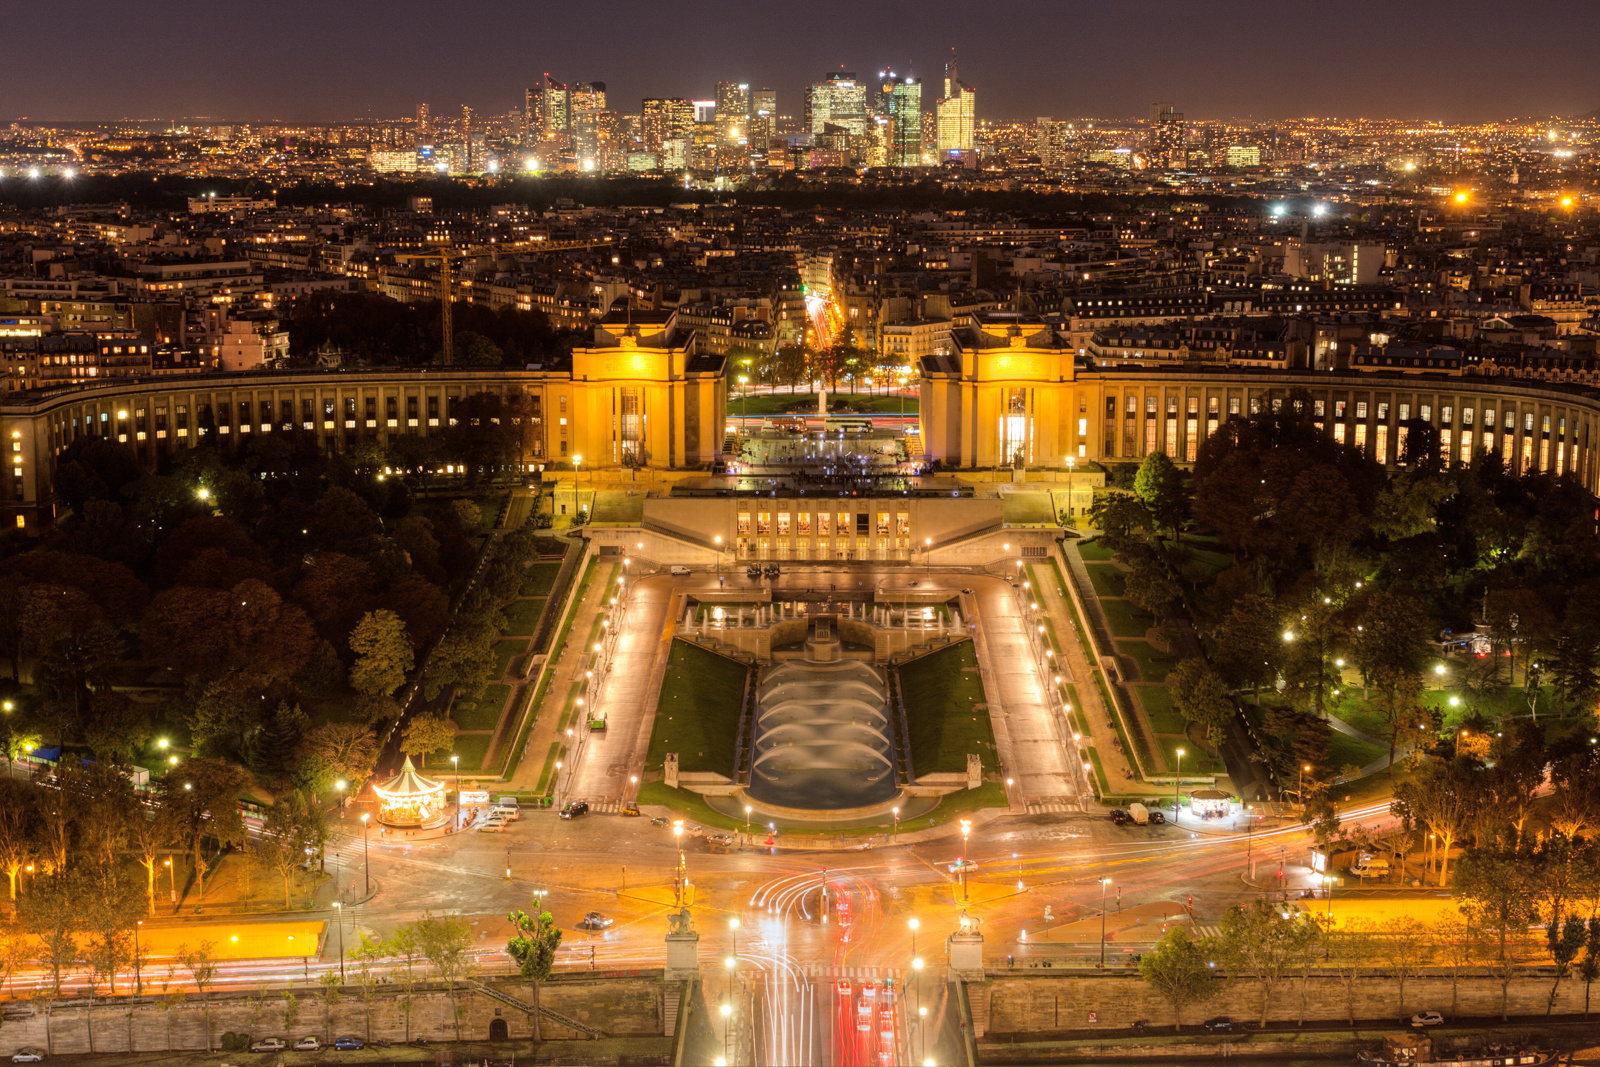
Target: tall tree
(1497, 897)
(204, 796)
(111, 908)
(445, 941)
(1159, 486)
(51, 909)
(383, 654)
(1263, 941)
(533, 945)
(1177, 968)
(1404, 948)
(1200, 696)
(1391, 647)
(20, 831)
(1248, 643)
(425, 734)
(346, 751)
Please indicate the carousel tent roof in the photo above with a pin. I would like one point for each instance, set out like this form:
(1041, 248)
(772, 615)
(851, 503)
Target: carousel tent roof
(409, 783)
(1209, 794)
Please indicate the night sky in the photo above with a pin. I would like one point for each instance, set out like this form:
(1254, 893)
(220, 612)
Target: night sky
(1455, 60)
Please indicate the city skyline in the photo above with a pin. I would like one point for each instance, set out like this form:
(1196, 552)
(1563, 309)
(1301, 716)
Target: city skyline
(349, 64)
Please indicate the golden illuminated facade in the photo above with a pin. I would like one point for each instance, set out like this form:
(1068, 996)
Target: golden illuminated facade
(1012, 395)
(635, 396)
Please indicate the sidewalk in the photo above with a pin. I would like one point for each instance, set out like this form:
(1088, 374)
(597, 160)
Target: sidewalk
(568, 672)
(1091, 709)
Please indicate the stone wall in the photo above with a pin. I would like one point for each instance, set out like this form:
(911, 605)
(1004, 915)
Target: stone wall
(1043, 1002)
(617, 1005)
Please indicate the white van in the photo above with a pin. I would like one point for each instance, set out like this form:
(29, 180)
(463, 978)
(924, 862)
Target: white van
(1370, 867)
(678, 569)
(506, 808)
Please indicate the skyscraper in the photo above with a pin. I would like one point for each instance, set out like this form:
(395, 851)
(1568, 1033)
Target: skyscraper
(555, 115)
(588, 103)
(466, 137)
(763, 123)
(900, 101)
(666, 119)
(423, 125)
(1163, 136)
(733, 114)
(532, 108)
(838, 100)
(956, 111)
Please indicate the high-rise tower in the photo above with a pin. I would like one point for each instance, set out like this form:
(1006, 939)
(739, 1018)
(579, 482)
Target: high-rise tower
(900, 101)
(956, 111)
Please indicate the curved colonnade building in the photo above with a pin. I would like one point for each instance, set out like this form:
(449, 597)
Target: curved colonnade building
(636, 397)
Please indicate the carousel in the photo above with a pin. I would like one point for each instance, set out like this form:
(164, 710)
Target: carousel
(409, 801)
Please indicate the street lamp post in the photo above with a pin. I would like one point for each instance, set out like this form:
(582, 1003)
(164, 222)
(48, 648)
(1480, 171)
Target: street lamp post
(1071, 462)
(677, 880)
(1103, 883)
(138, 979)
(966, 859)
(577, 486)
(1300, 795)
(455, 761)
(747, 810)
(340, 908)
(366, 858)
(896, 823)
(1177, 783)
(172, 880)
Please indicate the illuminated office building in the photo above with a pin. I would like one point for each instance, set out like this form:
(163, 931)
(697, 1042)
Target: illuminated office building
(900, 102)
(733, 114)
(956, 112)
(838, 100)
(588, 104)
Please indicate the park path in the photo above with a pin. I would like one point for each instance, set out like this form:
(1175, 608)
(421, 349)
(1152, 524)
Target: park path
(569, 664)
(1092, 715)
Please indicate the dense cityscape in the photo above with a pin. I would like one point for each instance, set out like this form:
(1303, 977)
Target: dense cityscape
(838, 573)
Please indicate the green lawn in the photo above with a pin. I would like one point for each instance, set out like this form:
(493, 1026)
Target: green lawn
(1094, 551)
(1344, 749)
(806, 404)
(1124, 619)
(540, 578)
(1194, 760)
(481, 714)
(1158, 710)
(1153, 665)
(522, 618)
(698, 713)
(1106, 578)
(945, 726)
(504, 653)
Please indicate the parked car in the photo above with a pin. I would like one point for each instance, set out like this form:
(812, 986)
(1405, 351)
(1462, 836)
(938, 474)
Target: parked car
(1427, 1018)
(720, 842)
(594, 921)
(269, 1044)
(1119, 816)
(348, 1043)
(658, 820)
(1220, 1025)
(493, 825)
(28, 1055)
(1156, 818)
(575, 809)
(307, 1044)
